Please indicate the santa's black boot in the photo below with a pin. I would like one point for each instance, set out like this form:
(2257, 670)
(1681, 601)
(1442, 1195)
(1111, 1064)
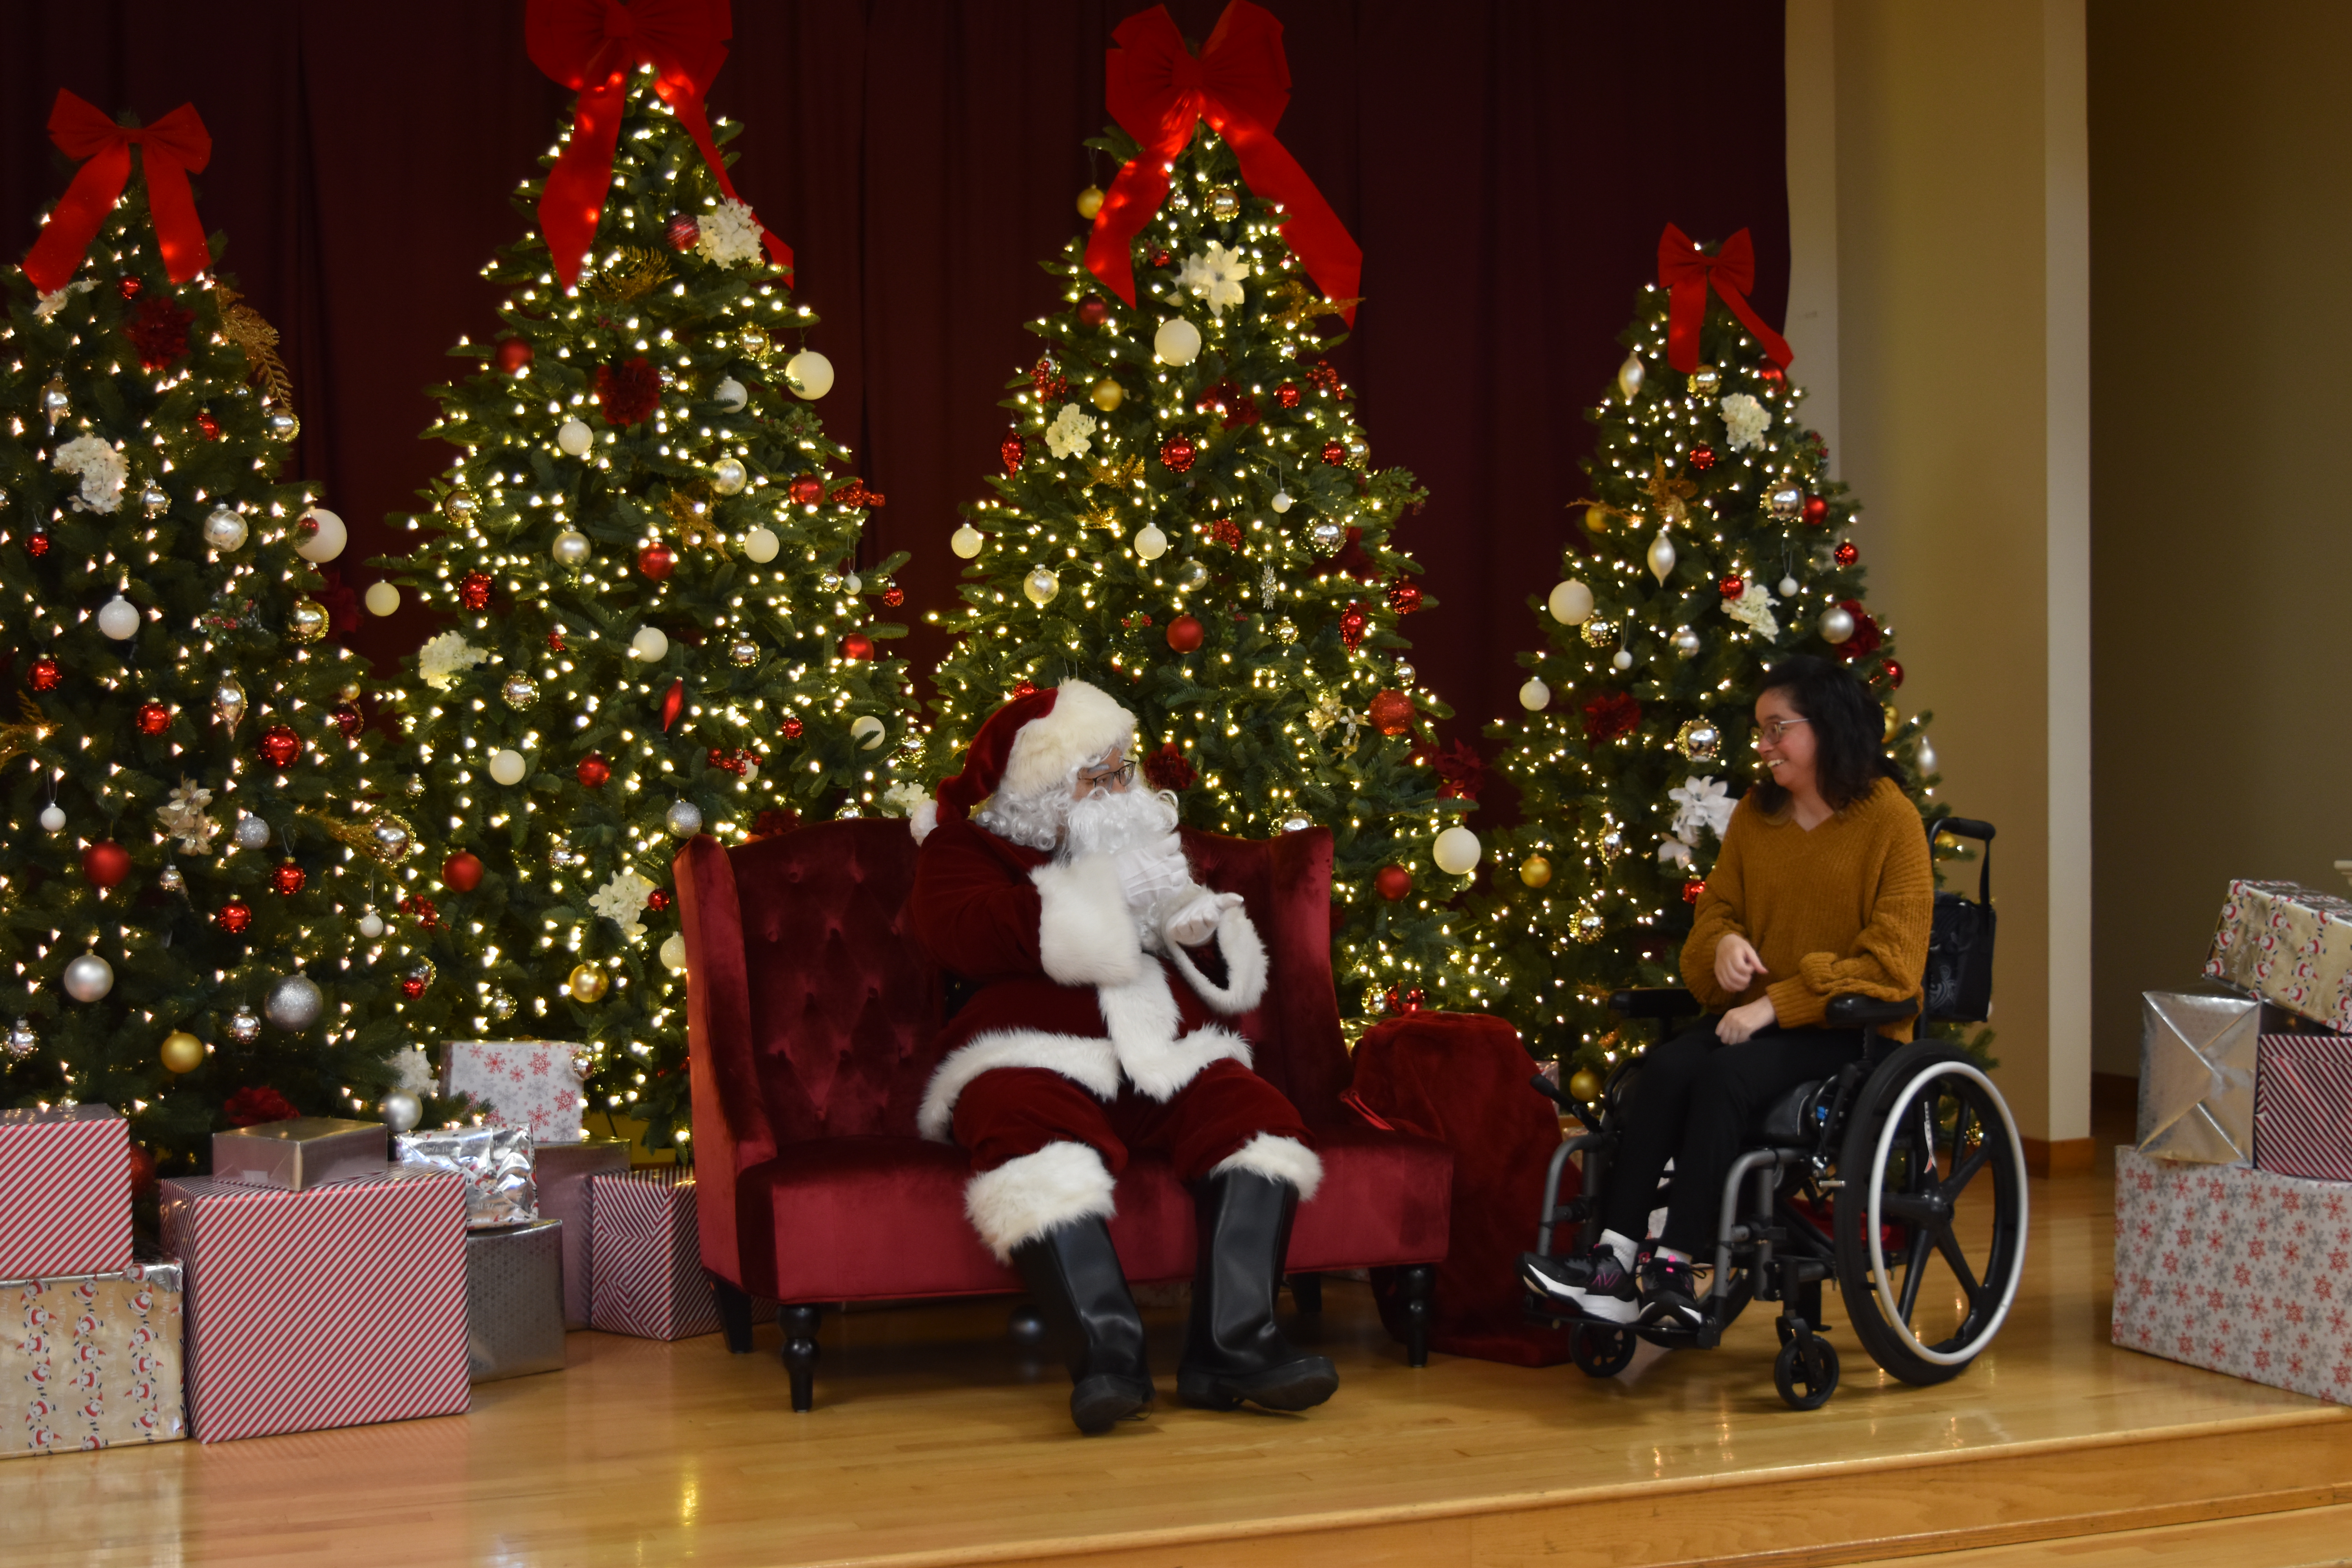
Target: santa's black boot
(1073, 1271)
(1232, 1352)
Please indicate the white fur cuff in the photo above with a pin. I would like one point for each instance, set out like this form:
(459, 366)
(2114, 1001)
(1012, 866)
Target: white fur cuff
(1085, 935)
(1024, 1198)
(1245, 955)
(1278, 1159)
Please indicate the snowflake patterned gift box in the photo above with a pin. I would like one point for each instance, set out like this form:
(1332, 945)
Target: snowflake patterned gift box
(2236, 1270)
(531, 1084)
(90, 1362)
(2289, 945)
(65, 1192)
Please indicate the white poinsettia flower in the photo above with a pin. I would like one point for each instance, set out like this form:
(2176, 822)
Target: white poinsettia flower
(51, 303)
(99, 467)
(442, 659)
(1066, 437)
(1753, 609)
(1745, 420)
(730, 234)
(1216, 275)
(1701, 803)
(1674, 852)
(622, 899)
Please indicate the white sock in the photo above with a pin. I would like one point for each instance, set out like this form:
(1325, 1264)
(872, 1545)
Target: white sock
(1670, 1255)
(1623, 1245)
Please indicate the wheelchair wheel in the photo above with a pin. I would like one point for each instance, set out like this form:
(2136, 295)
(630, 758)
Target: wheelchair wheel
(1806, 1373)
(1600, 1350)
(1931, 1218)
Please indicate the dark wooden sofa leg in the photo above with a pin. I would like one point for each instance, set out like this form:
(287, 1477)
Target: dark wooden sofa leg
(1307, 1290)
(734, 1316)
(1418, 1278)
(799, 1353)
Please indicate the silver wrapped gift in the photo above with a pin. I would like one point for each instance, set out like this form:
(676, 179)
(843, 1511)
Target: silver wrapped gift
(297, 1156)
(496, 1162)
(514, 1300)
(2196, 1077)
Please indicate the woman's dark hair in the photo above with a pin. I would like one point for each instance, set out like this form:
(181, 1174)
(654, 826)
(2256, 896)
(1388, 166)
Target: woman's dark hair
(1848, 727)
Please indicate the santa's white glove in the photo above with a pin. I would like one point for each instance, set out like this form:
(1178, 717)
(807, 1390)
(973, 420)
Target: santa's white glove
(1193, 922)
(1149, 872)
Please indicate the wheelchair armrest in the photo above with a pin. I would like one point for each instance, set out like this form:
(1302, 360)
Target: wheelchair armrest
(1654, 1002)
(1868, 1012)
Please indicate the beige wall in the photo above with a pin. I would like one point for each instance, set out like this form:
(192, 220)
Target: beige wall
(1959, 286)
(2222, 215)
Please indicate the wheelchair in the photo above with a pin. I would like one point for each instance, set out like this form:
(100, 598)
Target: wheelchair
(1858, 1178)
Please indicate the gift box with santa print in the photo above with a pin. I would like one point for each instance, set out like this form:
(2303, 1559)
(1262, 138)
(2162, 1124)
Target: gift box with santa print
(648, 1258)
(65, 1192)
(2235, 1270)
(2289, 945)
(91, 1361)
(336, 1306)
(531, 1084)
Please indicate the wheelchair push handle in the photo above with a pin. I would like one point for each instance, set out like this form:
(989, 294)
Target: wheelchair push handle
(1565, 1101)
(1967, 828)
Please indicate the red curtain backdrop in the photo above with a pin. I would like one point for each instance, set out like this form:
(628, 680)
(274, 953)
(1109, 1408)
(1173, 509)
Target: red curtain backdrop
(1505, 166)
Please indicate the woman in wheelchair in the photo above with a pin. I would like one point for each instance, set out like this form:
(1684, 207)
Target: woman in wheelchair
(1823, 888)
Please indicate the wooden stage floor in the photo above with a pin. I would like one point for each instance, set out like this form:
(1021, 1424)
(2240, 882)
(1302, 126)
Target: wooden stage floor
(932, 1445)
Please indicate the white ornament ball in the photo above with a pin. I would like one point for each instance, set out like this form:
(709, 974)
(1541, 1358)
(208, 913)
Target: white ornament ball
(294, 1003)
(673, 952)
(1572, 603)
(1837, 625)
(1535, 696)
(1925, 756)
(574, 437)
(1282, 501)
(1455, 851)
(327, 539)
(866, 731)
(1662, 555)
(53, 819)
(1630, 376)
(808, 374)
(1150, 544)
(507, 765)
(1621, 659)
(382, 598)
(760, 545)
(371, 925)
(685, 819)
(570, 549)
(89, 977)
(401, 1110)
(1177, 341)
(729, 394)
(119, 618)
(1687, 643)
(966, 542)
(223, 528)
(728, 476)
(1041, 585)
(651, 643)
(1790, 587)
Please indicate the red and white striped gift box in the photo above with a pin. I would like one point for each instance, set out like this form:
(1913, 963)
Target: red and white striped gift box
(2303, 1106)
(337, 1306)
(648, 1258)
(65, 1193)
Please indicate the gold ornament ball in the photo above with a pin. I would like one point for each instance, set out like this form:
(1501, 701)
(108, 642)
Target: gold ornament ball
(1376, 1001)
(1894, 721)
(1107, 394)
(1090, 201)
(1285, 631)
(1587, 927)
(1597, 633)
(1535, 870)
(1612, 844)
(307, 621)
(1705, 382)
(459, 505)
(587, 983)
(183, 1052)
(1596, 519)
(1225, 203)
(1584, 1084)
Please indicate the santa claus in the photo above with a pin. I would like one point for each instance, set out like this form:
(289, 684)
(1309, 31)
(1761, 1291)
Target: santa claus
(1103, 979)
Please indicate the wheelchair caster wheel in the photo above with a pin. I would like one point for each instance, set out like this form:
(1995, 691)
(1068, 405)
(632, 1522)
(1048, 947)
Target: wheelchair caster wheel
(1601, 1349)
(1806, 1373)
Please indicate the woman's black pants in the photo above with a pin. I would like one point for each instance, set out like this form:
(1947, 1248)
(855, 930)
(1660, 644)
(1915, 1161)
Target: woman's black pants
(1692, 1102)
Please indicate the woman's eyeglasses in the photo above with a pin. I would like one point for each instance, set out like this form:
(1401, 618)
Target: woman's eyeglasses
(1773, 731)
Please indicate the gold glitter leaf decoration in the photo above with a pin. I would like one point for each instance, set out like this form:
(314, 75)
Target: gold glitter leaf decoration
(632, 270)
(243, 326)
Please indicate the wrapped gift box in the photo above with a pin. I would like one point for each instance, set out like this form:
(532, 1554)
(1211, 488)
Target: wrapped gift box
(495, 1163)
(2303, 1107)
(2235, 1270)
(514, 1300)
(561, 1172)
(304, 1151)
(2289, 945)
(65, 1193)
(649, 1257)
(531, 1084)
(334, 1307)
(90, 1362)
(2196, 1077)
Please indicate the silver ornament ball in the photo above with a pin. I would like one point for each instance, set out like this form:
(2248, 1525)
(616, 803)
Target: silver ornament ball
(727, 476)
(402, 1110)
(294, 1004)
(571, 548)
(224, 530)
(1836, 624)
(244, 1025)
(228, 701)
(520, 691)
(22, 1040)
(1687, 643)
(89, 977)
(684, 819)
(251, 833)
(171, 879)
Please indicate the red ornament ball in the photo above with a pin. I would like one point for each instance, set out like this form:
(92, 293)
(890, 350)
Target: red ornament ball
(1691, 890)
(1893, 671)
(685, 232)
(856, 646)
(474, 590)
(1846, 554)
(1732, 587)
(1093, 311)
(658, 900)
(1702, 459)
(555, 640)
(1184, 634)
(1817, 510)
(1414, 1000)
(806, 489)
(36, 543)
(1335, 453)
(1162, 257)
(287, 880)
(1024, 689)
(414, 984)
(128, 287)
(592, 771)
(45, 674)
(348, 718)
(105, 863)
(1010, 451)
(1390, 712)
(279, 746)
(207, 427)
(153, 718)
(1178, 453)
(893, 597)
(1287, 394)
(1404, 595)
(234, 916)
(1772, 375)
(142, 1163)
(790, 729)
(1392, 882)
(656, 562)
(1352, 622)
(462, 872)
(513, 354)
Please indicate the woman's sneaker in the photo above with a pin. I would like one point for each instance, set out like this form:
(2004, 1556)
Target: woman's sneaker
(1593, 1285)
(1669, 1293)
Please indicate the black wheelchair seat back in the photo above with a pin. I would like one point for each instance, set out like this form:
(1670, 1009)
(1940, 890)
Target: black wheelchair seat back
(1958, 986)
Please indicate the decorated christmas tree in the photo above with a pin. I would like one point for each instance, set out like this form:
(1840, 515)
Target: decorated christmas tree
(1189, 518)
(197, 876)
(1715, 545)
(646, 553)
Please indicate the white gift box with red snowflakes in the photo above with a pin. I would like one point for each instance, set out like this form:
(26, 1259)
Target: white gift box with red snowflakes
(2236, 1270)
(531, 1084)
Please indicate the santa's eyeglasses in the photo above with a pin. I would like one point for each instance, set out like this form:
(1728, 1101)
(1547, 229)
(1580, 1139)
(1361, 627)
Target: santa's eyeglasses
(1116, 778)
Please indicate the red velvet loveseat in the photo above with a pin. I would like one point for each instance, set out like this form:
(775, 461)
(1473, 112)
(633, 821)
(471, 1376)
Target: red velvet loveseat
(812, 1018)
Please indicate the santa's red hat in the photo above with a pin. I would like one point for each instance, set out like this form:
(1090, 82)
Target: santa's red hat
(1035, 743)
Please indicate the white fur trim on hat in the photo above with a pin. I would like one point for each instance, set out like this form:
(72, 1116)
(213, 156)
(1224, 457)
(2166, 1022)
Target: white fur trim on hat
(1278, 1159)
(1085, 724)
(1022, 1199)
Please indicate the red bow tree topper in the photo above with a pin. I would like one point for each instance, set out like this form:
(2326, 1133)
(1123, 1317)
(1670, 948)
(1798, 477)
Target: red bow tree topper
(172, 149)
(1686, 272)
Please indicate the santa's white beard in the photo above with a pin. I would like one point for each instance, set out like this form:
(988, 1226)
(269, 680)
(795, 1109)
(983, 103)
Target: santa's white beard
(1108, 821)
